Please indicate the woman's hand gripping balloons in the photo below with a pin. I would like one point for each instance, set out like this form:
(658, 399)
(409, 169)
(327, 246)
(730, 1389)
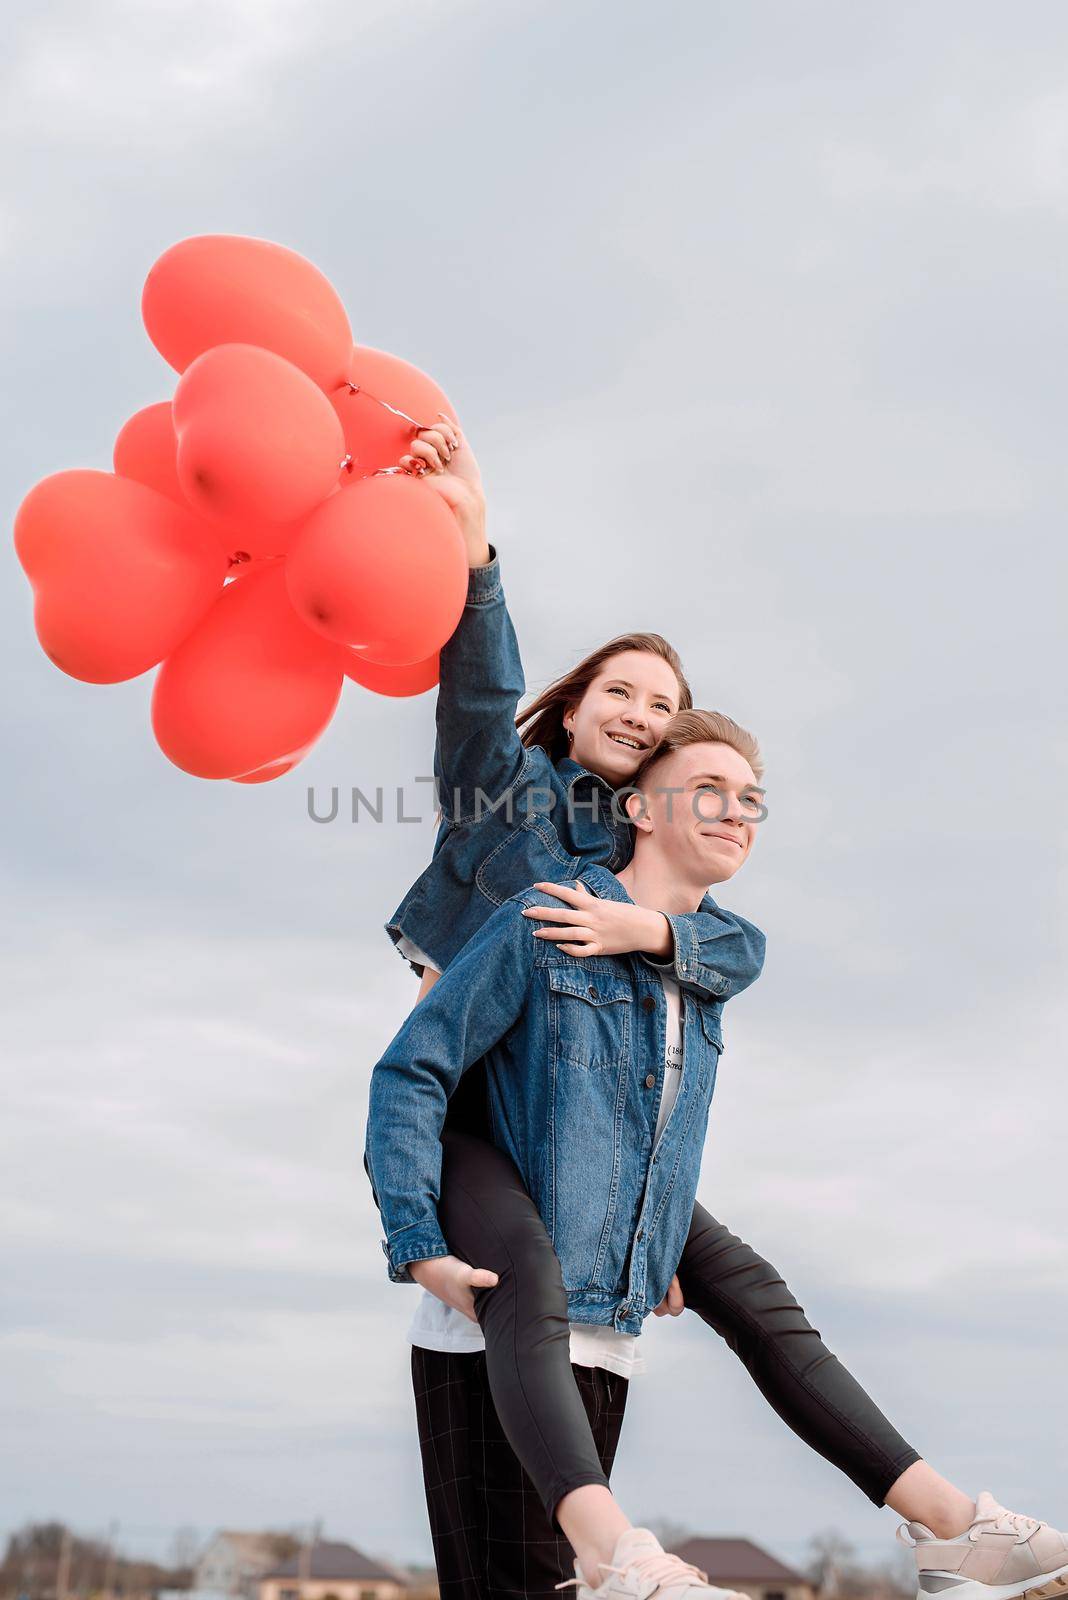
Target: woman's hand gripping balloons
(449, 468)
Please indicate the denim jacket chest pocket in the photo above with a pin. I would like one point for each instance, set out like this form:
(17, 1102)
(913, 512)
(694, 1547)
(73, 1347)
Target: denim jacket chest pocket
(590, 1017)
(709, 1013)
(526, 854)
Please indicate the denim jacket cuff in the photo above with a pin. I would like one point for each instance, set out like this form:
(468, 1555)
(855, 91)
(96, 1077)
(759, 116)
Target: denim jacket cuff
(688, 968)
(419, 1241)
(484, 583)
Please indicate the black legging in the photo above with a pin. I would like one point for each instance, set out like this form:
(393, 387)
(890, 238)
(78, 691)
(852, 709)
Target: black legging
(490, 1221)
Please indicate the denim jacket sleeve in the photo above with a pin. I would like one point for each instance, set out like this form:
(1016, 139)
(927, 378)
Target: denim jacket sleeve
(715, 952)
(472, 1005)
(480, 685)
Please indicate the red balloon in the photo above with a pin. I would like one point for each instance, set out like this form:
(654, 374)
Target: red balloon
(398, 681)
(147, 451)
(382, 567)
(227, 289)
(120, 574)
(374, 437)
(274, 769)
(250, 688)
(257, 441)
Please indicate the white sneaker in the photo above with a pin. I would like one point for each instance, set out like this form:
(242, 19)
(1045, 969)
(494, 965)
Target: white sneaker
(1002, 1556)
(640, 1567)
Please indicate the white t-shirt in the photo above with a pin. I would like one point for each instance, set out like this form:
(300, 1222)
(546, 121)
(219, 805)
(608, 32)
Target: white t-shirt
(411, 952)
(436, 1326)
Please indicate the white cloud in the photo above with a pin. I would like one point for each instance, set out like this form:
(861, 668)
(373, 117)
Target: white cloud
(170, 73)
(987, 152)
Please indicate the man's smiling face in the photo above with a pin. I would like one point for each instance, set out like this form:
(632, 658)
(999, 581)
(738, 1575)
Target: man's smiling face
(702, 804)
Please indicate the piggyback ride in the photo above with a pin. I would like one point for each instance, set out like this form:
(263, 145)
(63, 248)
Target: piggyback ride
(511, 816)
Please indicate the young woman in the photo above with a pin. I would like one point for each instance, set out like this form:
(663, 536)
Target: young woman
(525, 800)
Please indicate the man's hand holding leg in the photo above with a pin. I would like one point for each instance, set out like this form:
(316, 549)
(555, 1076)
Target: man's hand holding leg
(452, 1281)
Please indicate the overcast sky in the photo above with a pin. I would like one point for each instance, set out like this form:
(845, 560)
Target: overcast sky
(756, 315)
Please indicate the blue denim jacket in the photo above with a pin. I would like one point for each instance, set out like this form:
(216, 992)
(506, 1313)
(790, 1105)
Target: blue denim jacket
(574, 1052)
(511, 818)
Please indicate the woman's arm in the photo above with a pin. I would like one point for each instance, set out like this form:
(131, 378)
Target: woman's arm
(710, 950)
(478, 751)
(715, 952)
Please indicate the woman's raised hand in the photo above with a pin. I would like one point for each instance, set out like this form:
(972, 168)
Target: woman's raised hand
(435, 447)
(448, 466)
(451, 1280)
(588, 926)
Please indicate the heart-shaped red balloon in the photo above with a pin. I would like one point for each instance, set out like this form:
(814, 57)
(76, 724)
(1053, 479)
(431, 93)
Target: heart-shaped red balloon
(120, 574)
(274, 769)
(251, 687)
(147, 450)
(227, 289)
(257, 441)
(382, 567)
(397, 682)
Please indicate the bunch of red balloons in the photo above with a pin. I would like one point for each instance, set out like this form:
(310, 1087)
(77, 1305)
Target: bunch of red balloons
(255, 540)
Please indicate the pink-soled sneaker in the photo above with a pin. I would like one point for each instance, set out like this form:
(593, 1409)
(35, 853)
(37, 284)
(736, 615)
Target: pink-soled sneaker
(641, 1568)
(1002, 1556)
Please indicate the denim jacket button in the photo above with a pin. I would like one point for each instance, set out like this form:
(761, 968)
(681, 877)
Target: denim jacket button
(593, 991)
(650, 1080)
(648, 1004)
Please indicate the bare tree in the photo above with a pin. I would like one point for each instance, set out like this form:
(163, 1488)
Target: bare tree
(185, 1546)
(836, 1574)
(831, 1562)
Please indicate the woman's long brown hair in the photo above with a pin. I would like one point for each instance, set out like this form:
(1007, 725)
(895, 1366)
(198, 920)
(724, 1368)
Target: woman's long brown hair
(542, 722)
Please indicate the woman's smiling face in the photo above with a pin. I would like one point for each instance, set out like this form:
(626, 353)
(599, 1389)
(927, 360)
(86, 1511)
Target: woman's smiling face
(622, 714)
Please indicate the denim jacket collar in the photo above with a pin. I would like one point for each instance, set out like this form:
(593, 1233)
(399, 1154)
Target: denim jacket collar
(604, 884)
(571, 771)
(607, 886)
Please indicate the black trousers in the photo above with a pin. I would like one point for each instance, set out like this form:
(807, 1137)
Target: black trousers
(490, 1221)
(492, 1537)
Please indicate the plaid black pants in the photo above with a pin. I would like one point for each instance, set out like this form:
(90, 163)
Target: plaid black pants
(492, 1536)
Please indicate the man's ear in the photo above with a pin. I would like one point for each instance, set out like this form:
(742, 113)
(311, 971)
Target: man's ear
(637, 808)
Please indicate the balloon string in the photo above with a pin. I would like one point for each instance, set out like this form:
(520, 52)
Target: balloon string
(241, 558)
(357, 388)
(417, 468)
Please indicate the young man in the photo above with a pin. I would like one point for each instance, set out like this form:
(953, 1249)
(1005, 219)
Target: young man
(606, 1135)
(607, 1142)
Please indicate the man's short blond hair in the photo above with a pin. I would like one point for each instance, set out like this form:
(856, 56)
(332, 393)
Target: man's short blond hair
(701, 727)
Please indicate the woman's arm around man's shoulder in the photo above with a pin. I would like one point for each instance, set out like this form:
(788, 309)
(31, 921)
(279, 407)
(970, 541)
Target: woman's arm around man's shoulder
(711, 950)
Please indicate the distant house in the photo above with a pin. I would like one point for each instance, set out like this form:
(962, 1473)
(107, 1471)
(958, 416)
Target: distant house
(422, 1583)
(739, 1564)
(334, 1570)
(233, 1563)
